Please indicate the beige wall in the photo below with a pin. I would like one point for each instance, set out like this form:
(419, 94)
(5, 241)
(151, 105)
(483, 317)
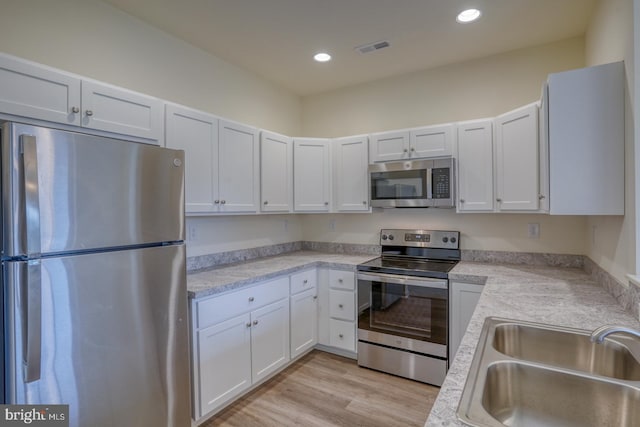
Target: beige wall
(480, 88)
(609, 38)
(93, 39)
(470, 90)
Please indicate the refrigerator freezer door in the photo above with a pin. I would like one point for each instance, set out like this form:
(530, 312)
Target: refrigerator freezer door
(112, 341)
(65, 192)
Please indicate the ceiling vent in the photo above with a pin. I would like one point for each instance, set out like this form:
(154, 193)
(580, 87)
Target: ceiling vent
(372, 47)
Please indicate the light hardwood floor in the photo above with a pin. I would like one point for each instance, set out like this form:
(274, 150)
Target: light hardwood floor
(323, 389)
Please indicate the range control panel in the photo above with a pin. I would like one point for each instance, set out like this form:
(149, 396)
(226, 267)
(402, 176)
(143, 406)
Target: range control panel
(420, 238)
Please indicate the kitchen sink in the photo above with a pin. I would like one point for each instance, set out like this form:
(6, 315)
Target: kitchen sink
(566, 348)
(530, 374)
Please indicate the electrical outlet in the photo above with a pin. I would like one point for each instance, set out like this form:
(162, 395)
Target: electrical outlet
(594, 230)
(285, 224)
(193, 233)
(332, 225)
(534, 230)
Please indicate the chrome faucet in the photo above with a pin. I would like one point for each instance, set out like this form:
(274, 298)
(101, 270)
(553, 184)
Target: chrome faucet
(599, 334)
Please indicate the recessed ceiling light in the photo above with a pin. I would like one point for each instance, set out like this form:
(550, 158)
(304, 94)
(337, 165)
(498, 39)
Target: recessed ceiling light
(322, 57)
(468, 15)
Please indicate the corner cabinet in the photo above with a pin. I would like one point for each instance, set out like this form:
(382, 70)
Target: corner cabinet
(463, 299)
(311, 174)
(276, 172)
(586, 137)
(351, 183)
(221, 161)
(475, 166)
(38, 92)
(240, 338)
(517, 165)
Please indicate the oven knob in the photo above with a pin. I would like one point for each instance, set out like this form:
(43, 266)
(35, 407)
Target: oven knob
(384, 237)
(390, 236)
(445, 239)
(453, 240)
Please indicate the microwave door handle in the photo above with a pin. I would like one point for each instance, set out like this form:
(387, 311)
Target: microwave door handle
(429, 183)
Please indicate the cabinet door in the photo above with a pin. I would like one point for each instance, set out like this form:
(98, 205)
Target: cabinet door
(311, 175)
(304, 321)
(517, 159)
(432, 141)
(197, 134)
(543, 153)
(117, 110)
(238, 162)
(31, 90)
(224, 356)
(276, 171)
(351, 184)
(389, 146)
(269, 339)
(464, 298)
(475, 166)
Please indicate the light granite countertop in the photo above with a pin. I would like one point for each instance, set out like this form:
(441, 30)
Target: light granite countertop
(553, 295)
(234, 276)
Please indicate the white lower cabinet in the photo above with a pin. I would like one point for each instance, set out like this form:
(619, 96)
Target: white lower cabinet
(337, 294)
(249, 344)
(304, 312)
(463, 299)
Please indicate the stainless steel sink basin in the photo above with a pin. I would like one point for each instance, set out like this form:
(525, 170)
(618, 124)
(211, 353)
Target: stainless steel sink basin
(565, 348)
(529, 374)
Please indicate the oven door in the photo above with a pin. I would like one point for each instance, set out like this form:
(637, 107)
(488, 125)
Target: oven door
(410, 313)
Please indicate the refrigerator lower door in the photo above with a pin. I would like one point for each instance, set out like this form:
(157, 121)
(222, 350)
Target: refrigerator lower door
(105, 333)
(66, 192)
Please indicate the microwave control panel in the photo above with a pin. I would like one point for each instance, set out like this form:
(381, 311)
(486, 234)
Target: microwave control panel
(441, 183)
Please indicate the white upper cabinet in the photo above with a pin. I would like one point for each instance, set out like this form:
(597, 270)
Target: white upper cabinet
(351, 183)
(586, 140)
(238, 162)
(117, 110)
(31, 90)
(424, 142)
(37, 92)
(197, 134)
(276, 172)
(311, 174)
(475, 166)
(432, 141)
(516, 168)
(386, 146)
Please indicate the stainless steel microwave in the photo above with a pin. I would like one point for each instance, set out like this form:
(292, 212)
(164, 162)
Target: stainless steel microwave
(413, 184)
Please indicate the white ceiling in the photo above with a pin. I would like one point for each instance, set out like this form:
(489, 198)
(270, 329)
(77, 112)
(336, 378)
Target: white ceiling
(276, 39)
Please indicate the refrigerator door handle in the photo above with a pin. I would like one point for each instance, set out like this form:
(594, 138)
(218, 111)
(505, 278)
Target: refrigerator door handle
(32, 317)
(28, 149)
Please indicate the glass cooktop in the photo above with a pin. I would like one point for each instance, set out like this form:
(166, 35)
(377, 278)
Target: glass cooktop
(409, 266)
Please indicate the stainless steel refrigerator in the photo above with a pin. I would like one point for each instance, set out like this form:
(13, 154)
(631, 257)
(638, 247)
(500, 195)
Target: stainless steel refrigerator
(93, 277)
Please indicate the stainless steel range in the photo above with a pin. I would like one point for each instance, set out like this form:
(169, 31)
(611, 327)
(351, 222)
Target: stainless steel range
(403, 323)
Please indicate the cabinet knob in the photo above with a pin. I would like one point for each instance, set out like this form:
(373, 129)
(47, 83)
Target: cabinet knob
(413, 149)
(340, 306)
(251, 299)
(499, 200)
(461, 200)
(364, 202)
(326, 203)
(266, 202)
(248, 324)
(405, 150)
(341, 336)
(75, 110)
(339, 280)
(315, 297)
(89, 113)
(255, 322)
(305, 281)
(217, 202)
(541, 197)
(222, 202)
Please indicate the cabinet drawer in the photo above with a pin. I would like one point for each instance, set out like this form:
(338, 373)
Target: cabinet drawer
(342, 279)
(342, 305)
(303, 281)
(342, 334)
(216, 309)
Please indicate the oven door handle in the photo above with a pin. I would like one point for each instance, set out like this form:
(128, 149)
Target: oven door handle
(404, 280)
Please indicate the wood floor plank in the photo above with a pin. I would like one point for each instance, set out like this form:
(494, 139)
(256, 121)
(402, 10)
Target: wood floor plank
(322, 390)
